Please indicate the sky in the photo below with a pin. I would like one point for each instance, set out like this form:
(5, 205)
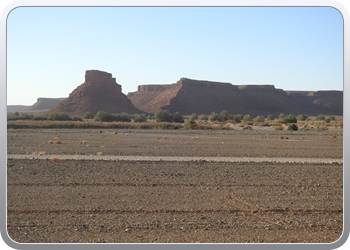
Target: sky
(293, 48)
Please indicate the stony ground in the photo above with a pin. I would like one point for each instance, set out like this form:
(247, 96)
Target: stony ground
(77, 200)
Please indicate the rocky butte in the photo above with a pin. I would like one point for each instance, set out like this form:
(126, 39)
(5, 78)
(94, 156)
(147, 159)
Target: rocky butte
(99, 92)
(203, 97)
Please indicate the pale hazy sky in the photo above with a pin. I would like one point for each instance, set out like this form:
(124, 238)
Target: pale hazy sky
(50, 48)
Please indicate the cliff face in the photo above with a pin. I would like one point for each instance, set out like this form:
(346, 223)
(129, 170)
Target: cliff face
(203, 97)
(99, 92)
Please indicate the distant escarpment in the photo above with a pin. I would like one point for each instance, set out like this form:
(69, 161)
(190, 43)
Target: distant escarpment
(99, 92)
(45, 103)
(328, 102)
(203, 97)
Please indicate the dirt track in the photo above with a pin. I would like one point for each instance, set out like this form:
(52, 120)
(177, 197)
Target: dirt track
(172, 201)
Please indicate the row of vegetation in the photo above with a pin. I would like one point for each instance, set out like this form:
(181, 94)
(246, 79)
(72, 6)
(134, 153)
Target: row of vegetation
(165, 116)
(165, 119)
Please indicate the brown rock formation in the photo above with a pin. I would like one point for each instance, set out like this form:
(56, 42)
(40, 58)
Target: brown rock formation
(203, 97)
(99, 92)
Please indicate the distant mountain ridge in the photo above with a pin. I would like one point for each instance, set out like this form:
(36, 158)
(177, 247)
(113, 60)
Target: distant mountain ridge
(101, 92)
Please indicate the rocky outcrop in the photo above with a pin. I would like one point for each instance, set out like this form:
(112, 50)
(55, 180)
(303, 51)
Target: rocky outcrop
(100, 91)
(203, 97)
(45, 103)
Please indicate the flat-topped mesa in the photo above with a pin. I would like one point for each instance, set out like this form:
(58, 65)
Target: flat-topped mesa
(96, 76)
(186, 82)
(265, 88)
(203, 97)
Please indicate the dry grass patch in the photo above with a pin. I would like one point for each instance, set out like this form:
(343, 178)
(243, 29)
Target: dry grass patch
(279, 128)
(247, 127)
(84, 142)
(41, 153)
(99, 153)
(50, 142)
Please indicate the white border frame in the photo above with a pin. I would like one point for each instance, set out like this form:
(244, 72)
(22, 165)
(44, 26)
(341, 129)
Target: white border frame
(170, 3)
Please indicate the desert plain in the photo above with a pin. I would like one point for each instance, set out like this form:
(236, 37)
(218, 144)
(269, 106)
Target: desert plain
(174, 186)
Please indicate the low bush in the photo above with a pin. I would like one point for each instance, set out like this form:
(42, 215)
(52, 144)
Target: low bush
(163, 116)
(238, 118)
(59, 116)
(213, 117)
(302, 117)
(320, 117)
(88, 115)
(140, 118)
(40, 118)
(270, 117)
(247, 118)
(77, 118)
(293, 127)
(203, 118)
(194, 116)
(290, 118)
(177, 117)
(259, 119)
(225, 115)
(329, 119)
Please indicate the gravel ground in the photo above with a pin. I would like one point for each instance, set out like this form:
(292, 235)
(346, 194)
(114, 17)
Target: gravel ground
(131, 198)
(178, 143)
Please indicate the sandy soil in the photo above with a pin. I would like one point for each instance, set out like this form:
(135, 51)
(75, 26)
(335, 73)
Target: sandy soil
(77, 200)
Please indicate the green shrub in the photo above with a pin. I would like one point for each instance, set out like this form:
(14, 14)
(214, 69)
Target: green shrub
(40, 118)
(225, 115)
(329, 119)
(292, 126)
(281, 116)
(302, 117)
(59, 116)
(290, 118)
(270, 117)
(177, 117)
(213, 117)
(238, 118)
(102, 116)
(140, 118)
(203, 118)
(194, 116)
(163, 116)
(88, 115)
(125, 117)
(77, 118)
(247, 118)
(259, 118)
(320, 117)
